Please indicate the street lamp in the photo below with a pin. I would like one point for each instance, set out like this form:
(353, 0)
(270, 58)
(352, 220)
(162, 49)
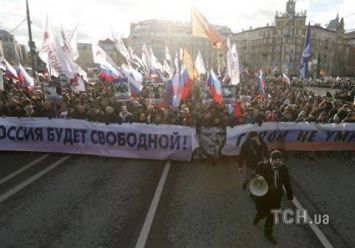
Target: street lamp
(31, 44)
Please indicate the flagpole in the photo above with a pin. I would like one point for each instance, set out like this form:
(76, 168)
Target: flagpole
(192, 40)
(30, 43)
(192, 50)
(194, 86)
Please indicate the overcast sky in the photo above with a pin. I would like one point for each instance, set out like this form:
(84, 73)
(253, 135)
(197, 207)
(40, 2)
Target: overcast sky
(97, 19)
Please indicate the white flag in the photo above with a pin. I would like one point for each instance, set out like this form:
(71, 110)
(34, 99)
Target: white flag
(233, 63)
(136, 60)
(200, 66)
(176, 61)
(120, 46)
(68, 53)
(235, 71)
(155, 62)
(73, 43)
(72, 53)
(78, 83)
(102, 58)
(167, 68)
(52, 53)
(229, 58)
(167, 54)
(146, 57)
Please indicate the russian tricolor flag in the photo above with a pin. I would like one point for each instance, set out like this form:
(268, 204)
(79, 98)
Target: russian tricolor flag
(135, 79)
(215, 88)
(10, 71)
(185, 83)
(107, 74)
(262, 83)
(172, 92)
(25, 79)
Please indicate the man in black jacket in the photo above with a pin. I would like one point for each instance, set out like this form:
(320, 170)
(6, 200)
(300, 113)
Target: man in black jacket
(276, 175)
(253, 151)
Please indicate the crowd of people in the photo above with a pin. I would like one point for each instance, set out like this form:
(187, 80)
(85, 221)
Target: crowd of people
(280, 103)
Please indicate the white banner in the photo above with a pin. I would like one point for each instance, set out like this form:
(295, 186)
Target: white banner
(137, 140)
(294, 136)
(162, 142)
(213, 141)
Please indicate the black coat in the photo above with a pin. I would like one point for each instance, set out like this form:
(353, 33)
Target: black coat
(252, 153)
(272, 199)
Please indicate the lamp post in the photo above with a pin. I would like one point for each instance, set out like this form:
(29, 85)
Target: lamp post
(30, 42)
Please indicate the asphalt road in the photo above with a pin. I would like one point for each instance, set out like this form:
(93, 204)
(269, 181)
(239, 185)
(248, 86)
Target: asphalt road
(90, 201)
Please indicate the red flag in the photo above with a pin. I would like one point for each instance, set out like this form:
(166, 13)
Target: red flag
(237, 110)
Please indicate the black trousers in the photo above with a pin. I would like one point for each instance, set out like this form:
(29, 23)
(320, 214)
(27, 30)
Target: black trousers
(269, 223)
(264, 204)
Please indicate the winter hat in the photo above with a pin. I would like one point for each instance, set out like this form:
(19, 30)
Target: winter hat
(276, 155)
(252, 134)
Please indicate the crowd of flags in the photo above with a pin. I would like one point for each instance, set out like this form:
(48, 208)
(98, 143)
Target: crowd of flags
(179, 71)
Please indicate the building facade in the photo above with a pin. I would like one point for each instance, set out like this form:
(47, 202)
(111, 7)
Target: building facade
(279, 46)
(16, 53)
(85, 60)
(10, 48)
(350, 54)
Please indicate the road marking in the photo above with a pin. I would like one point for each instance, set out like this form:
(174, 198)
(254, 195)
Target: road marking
(32, 179)
(153, 208)
(314, 227)
(8, 177)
